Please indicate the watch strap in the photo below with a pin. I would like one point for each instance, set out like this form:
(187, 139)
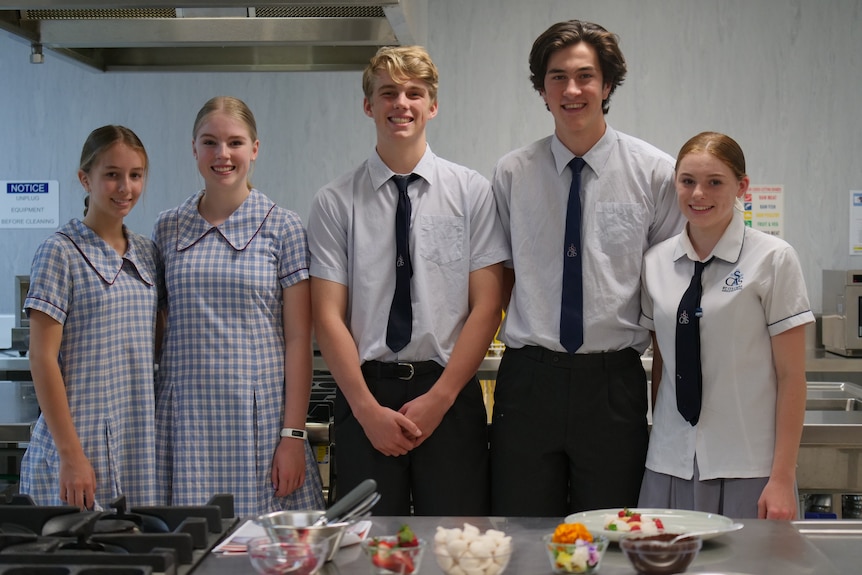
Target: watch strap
(294, 433)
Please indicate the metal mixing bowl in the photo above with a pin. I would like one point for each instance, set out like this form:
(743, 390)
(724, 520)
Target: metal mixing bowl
(291, 526)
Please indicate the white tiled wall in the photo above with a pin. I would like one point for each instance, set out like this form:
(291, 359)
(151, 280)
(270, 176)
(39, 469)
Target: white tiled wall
(783, 77)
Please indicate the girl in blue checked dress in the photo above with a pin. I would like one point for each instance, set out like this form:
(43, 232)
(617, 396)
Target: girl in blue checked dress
(236, 367)
(94, 292)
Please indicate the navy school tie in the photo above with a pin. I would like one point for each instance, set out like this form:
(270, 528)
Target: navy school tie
(689, 379)
(400, 326)
(572, 305)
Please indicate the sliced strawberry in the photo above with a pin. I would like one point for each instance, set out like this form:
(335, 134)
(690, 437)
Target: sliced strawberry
(382, 551)
(401, 562)
(396, 555)
(658, 523)
(622, 513)
(635, 517)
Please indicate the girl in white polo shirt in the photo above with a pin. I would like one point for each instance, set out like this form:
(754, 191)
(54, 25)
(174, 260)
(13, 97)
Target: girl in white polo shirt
(734, 451)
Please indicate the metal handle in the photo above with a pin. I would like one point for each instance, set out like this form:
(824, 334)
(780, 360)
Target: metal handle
(363, 509)
(346, 504)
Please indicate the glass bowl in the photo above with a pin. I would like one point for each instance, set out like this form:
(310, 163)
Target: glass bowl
(655, 555)
(298, 526)
(279, 557)
(579, 557)
(476, 557)
(389, 559)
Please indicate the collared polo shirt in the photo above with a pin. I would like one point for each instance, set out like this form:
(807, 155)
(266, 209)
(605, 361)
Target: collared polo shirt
(752, 291)
(454, 230)
(628, 202)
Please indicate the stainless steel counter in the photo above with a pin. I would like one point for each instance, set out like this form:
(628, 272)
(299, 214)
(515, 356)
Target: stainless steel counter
(816, 362)
(18, 411)
(833, 427)
(821, 361)
(12, 361)
(833, 415)
(840, 541)
(761, 547)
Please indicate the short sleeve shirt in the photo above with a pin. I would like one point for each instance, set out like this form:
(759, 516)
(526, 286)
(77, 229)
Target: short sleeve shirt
(628, 202)
(752, 291)
(454, 230)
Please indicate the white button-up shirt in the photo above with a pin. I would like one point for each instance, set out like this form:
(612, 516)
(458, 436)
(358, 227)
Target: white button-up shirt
(752, 290)
(628, 202)
(454, 230)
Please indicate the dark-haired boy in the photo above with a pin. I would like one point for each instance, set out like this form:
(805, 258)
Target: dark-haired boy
(569, 428)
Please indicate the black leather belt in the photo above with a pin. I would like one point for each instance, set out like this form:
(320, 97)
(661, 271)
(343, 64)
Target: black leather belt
(403, 370)
(578, 360)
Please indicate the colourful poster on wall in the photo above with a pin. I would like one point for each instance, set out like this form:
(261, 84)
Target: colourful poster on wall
(855, 222)
(764, 209)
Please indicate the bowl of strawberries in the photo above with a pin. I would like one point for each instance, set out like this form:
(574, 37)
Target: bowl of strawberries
(399, 554)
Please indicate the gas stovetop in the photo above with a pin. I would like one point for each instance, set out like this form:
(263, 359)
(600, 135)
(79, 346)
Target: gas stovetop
(169, 540)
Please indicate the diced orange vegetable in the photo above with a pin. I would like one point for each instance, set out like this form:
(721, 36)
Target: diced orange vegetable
(571, 532)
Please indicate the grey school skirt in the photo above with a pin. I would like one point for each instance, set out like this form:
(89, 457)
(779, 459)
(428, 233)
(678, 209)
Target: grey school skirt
(736, 498)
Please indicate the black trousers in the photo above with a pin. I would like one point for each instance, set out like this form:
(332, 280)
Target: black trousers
(569, 432)
(446, 475)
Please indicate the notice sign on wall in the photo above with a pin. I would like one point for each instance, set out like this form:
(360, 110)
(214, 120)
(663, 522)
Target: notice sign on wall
(29, 204)
(764, 209)
(855, 222)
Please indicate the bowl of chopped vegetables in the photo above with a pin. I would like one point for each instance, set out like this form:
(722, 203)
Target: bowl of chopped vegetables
(573, 549)
(399, 554)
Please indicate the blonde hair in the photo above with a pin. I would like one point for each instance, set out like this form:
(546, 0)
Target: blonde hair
(100, 140)
(233, 108)
(402, 63)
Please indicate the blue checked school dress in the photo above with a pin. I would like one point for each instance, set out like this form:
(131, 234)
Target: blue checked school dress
(220, 385)
(107, 305)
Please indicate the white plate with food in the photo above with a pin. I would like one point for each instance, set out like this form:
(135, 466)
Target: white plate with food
(613, 525)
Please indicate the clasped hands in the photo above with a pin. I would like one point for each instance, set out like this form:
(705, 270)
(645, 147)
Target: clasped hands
(398, 432)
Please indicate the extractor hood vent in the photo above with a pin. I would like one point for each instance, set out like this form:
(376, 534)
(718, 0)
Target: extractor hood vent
(320, 12)
(258, 12)
(211, 35)
(106, 14)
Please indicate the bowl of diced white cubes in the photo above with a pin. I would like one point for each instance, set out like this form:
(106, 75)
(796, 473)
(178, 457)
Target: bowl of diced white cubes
(469, 551)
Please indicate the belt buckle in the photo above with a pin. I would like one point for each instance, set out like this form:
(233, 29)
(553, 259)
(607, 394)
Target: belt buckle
(412, 371)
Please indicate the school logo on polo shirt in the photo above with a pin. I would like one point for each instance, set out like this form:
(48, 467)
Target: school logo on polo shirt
(733, 282)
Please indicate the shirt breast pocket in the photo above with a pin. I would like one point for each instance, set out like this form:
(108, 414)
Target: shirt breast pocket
(442, 238)
(621, 228)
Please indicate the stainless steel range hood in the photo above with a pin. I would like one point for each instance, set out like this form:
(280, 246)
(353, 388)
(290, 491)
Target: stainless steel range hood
(213, 35)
